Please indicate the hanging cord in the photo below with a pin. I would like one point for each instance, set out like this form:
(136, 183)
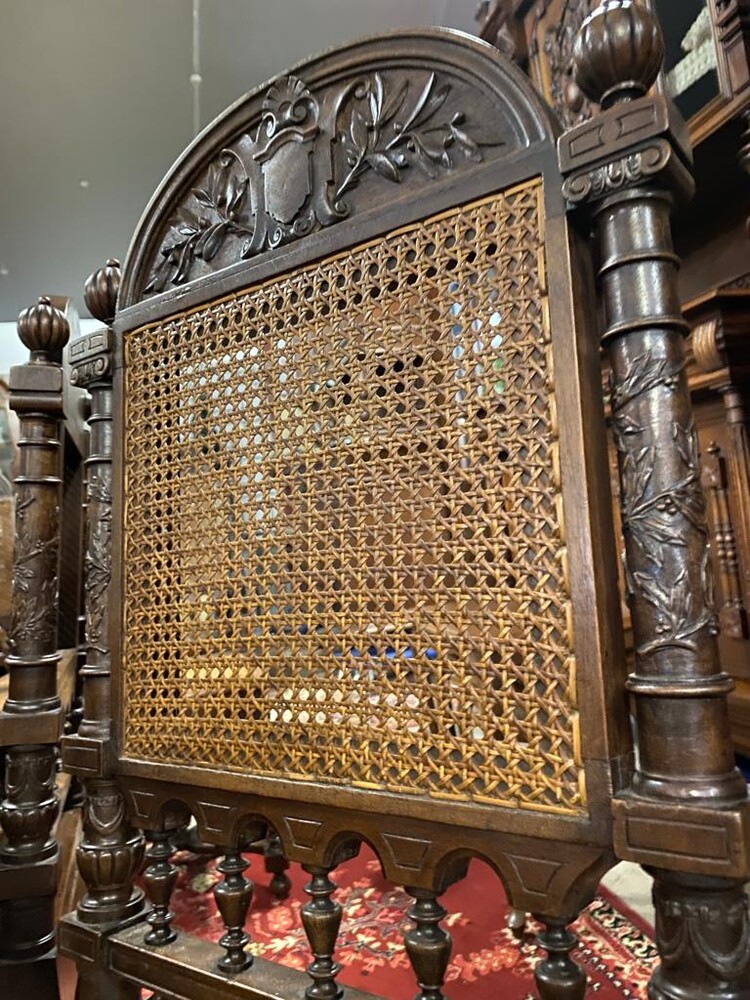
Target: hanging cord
(195, 77)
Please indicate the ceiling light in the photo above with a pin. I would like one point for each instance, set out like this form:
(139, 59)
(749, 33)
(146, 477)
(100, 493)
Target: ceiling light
(84, 184)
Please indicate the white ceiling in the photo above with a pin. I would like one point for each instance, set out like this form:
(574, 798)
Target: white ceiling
(99, 91)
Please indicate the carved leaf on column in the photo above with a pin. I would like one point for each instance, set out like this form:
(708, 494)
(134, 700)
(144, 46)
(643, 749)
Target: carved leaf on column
(34, 559)
(288, 179)
(648, 517)
(98, 562)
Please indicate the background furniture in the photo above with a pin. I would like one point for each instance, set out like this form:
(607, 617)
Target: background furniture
(38, 693)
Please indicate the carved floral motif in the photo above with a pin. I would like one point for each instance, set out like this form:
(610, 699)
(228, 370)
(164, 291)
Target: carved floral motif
(290, 177)
(35, 563)
(648, 516)
(98, 562)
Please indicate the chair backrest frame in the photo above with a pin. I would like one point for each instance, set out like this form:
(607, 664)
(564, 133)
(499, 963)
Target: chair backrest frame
(518, 144)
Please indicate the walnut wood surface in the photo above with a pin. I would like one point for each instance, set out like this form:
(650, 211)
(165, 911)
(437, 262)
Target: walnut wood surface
(326, 187)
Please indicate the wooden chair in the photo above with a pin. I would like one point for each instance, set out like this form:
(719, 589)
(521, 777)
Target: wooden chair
(37, 695)
(349, 466)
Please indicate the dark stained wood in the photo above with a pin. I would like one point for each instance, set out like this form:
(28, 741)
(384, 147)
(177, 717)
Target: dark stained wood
(31, 718)
(558, 977)
(111, 851)
(678, 687)
(321, 918)
(276, 865)
(339, 184)
(233, 896)
(159, 879)
(427, 944)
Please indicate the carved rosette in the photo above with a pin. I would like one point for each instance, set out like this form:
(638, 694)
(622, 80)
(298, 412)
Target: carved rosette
(290, 176)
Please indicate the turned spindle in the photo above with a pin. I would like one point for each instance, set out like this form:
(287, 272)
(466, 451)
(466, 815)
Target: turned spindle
(321, 918)
(427, 944)
(233, 896)
(159, 878)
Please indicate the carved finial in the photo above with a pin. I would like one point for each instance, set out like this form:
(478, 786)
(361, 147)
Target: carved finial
(618, 52)
(100, 291)
(44, 329)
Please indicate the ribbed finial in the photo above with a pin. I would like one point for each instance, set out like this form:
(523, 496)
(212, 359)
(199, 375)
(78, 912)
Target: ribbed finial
(100, 291)
(618, 52)
(44, 329)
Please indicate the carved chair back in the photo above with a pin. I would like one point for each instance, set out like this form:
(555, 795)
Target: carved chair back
(363, 577)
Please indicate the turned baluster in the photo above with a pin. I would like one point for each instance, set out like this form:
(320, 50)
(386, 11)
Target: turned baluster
(276, 865)
(427, 944)
(557, 976)
(233, 896)
(110, 852)
(159, 878)
(624, 169)
(31, 721)
(321, 918)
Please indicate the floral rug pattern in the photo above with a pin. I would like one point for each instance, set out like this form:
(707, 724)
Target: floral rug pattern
(487, 961)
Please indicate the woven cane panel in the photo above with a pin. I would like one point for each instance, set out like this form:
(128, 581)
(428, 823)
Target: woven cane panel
(344, 557)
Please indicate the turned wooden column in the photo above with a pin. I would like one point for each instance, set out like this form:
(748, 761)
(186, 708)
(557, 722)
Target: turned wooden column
(111, 851)
(31, 722)
(685, 815)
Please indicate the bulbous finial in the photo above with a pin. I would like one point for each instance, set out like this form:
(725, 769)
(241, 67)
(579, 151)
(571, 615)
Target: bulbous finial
(44, 329)
(618, 52)
(100, 291)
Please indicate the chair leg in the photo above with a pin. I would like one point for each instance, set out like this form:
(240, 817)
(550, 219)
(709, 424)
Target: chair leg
(427, 944)
(517, 923)
(276, 866)
(321, 918)
(233, 897)
(557, 976)
(703, 937)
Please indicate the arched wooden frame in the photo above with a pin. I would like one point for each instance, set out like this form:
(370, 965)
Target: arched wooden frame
(509, 139)
(405, 137)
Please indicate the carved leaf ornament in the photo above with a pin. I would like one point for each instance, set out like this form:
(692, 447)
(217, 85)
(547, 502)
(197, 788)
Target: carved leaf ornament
(291, 177)
(648, 515)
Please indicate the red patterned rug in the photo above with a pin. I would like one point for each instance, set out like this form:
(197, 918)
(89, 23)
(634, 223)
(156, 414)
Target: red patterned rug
(487, 961)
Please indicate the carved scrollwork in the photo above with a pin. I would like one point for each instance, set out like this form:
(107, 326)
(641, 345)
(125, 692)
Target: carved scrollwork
(290, 177)
(617, 173)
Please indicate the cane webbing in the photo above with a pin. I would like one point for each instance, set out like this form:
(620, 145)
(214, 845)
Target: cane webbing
(344, 559)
